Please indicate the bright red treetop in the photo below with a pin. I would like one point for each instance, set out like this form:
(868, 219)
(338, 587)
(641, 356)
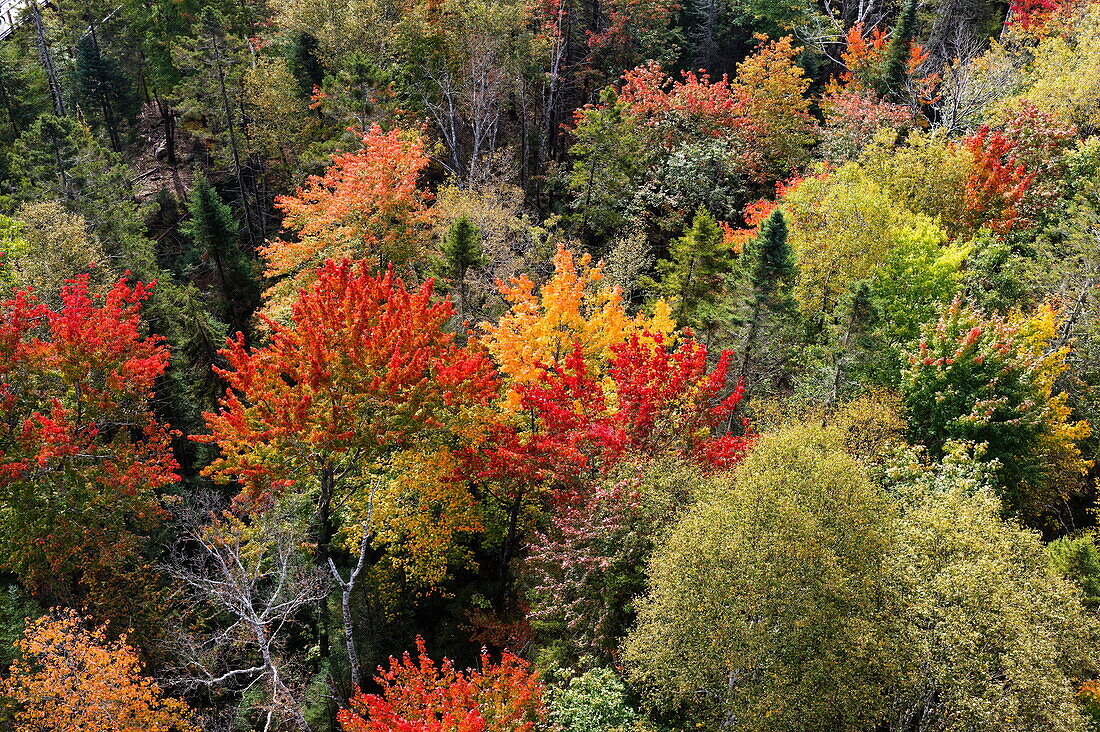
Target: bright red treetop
(419, 696)
(660, 399)
(81, 456)
(365, 364)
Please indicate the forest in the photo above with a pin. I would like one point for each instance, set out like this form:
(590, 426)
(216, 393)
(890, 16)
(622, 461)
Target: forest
(549, 366)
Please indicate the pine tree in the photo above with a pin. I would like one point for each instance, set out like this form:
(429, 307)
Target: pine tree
(896, 60)
(695, 275)
(100, 84)
(301, 54)
(214, 232)
(462, 249)
(769, 265)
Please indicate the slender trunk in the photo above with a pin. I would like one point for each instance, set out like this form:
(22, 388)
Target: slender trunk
(750, 338)
(346, 589)
(509, 548)
(233, 147)
(46, 59)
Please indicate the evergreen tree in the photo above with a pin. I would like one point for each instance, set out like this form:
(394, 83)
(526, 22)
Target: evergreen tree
(302, 56)
(462, 249)
(214, 233)
(100, 85)
(21, 93)
(896, 60)
(695, 275)
(769, 265)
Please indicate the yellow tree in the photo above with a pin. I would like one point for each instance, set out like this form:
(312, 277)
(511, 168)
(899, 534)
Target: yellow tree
(774, 89)
(573, 307)
(72, 679)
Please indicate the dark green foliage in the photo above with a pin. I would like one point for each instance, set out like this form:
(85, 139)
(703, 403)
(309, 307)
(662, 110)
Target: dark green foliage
(462, 250)
(694, 277)
(896, 61)
(768, 263)
(21, 92)
(302, 57)
(15, 609)
(101, 88)
(214, 235)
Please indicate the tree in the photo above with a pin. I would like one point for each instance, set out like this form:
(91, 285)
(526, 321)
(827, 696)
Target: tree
(768, 603)
(611, 153)
(583, 572)
(214, 234)
(421, 696)
(991, 380)
(774, 89)
(366, 206)
(594, 701)
(46, 245)
(101, 85)
(769, 264)
(996, 183)
(842, 224)
(998, 639)
(694, 277)
(363, 370)
(82, 458)
(70, 677)
(259, 574)
(462, 249)
(897, 54)
(571, 308)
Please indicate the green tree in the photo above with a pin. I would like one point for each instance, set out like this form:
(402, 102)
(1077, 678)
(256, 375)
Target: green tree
(594, 701)
(768, 604)
(998, 638)
(610, 156)
(462, 251)
(895, 62)
(214, 234)
(987, 379)
(100, 84)
(694, 277)
(1078, 559)
(769, 265)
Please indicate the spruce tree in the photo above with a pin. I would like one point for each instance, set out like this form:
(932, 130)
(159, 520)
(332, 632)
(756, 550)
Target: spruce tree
(694, 278)
(462, 250)
(301, 54)
(101, 85)
(769, 267)
(895, 64)
(214, 232)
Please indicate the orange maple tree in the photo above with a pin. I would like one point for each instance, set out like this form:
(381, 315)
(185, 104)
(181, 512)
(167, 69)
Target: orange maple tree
(367, 206)
(69, 678)
(364, 366)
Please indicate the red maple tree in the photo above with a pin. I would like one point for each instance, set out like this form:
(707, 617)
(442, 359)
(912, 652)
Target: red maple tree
(423, 696)
(82, 459)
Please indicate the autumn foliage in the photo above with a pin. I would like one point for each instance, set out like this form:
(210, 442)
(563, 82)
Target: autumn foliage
(573, 310)
(82, 457)
(367, 206)
(656, 399)
(419, 695)
(71, 678)
(365, 363)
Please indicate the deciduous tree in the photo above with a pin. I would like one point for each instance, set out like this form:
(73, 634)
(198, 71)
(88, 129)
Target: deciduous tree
(71, 677)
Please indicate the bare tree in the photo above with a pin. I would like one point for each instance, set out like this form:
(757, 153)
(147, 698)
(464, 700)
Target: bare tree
(250, 579)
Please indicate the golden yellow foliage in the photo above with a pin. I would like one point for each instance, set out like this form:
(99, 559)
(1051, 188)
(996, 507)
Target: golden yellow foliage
(573, 307)
(419, 511)
(71, 679)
